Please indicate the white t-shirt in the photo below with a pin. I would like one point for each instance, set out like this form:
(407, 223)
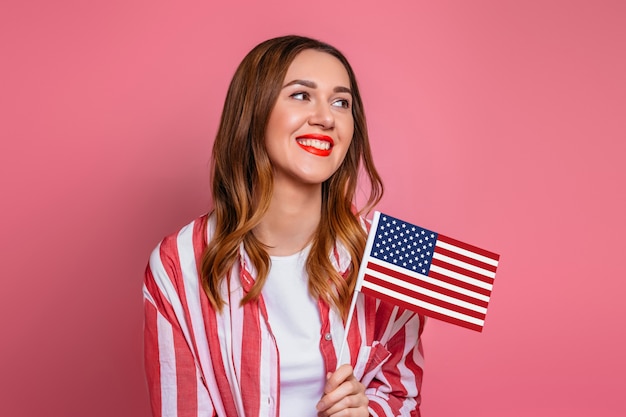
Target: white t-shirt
(295, 321)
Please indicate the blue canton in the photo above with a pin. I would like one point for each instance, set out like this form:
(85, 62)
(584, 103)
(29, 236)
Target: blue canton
(403, 244)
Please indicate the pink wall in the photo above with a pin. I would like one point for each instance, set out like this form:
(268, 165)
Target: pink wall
(513, 112)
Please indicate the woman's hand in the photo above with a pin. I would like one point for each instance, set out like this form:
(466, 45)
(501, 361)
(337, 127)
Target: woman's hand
(343, 395)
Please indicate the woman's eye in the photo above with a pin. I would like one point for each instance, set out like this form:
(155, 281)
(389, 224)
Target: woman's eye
(300, 96)
(344, 104)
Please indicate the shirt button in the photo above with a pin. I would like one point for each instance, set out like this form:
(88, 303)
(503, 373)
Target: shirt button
(327, 336)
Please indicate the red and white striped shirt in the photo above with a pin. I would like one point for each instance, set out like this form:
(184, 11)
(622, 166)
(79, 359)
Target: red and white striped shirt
(200, 362)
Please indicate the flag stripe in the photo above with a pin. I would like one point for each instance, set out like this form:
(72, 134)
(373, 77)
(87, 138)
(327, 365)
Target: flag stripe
(408, 286)
(464, 265)
(425, 311)
(463, 258)
(431, 284)
(464, 252)
(469, 248)
(424, 294)
(436, 279)
(458, 283)
(446, 270)
(413, 304)
(399, 291)
(461, 274)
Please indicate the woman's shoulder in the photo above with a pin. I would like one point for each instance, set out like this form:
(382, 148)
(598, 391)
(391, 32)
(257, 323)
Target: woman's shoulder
(187, 242)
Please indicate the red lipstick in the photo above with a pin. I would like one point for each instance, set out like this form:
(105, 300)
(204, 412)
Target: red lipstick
(316, 149)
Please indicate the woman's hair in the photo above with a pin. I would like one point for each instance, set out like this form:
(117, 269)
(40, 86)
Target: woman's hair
(242, 180)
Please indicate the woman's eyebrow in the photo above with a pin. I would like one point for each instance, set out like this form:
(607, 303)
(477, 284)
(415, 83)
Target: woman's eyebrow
(305, 83)
(342, 89)
(311, 84)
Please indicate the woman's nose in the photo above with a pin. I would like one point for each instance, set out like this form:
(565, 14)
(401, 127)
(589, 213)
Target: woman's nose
(322, 116)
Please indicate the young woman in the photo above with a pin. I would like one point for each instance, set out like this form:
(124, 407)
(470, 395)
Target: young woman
(245, 306)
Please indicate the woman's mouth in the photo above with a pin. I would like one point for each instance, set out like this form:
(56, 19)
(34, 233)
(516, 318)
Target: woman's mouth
(320, 145)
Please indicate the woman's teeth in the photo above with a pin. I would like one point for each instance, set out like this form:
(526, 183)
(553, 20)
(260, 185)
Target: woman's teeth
(315, 143)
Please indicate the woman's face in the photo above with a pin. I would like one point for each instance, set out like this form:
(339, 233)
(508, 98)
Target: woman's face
(311, 125)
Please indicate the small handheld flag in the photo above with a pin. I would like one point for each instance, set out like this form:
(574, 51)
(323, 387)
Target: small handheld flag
(427, 272)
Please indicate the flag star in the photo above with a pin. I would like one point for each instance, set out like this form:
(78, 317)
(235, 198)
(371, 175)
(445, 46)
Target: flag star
(432, 235)
(378, 245)
(397, 251)
(410, 261)
(414, 268)
(426, 238)
(421, 241)
(405, 240)
(422, 255)
(412, 229)
(420, 264)
(382, 227)
(423, 271)
(403, 226)
(380, 236)
(394, 222)
(395, 261)
(413, 252)
(401, 257)
(393, 245)
(386, 233)
(426, 262)
(404, 264)
(419, 250)
(423, 232)
(385, 257)
(428, 253)
(389, 240)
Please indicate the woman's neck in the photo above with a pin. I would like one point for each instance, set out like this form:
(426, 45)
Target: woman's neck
(291, 220)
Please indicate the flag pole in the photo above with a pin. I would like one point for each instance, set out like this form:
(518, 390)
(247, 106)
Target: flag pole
(357, 287)
(345, 334)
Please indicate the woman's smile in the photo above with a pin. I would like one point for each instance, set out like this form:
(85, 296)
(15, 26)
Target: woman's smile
(320, 145)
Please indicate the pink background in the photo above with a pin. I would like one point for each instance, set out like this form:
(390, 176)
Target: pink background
(512, 112)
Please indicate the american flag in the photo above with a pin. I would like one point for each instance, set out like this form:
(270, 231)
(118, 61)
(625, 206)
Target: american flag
(427, 272)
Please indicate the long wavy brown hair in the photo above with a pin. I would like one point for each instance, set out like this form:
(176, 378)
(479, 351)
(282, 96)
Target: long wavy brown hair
(242, 180)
